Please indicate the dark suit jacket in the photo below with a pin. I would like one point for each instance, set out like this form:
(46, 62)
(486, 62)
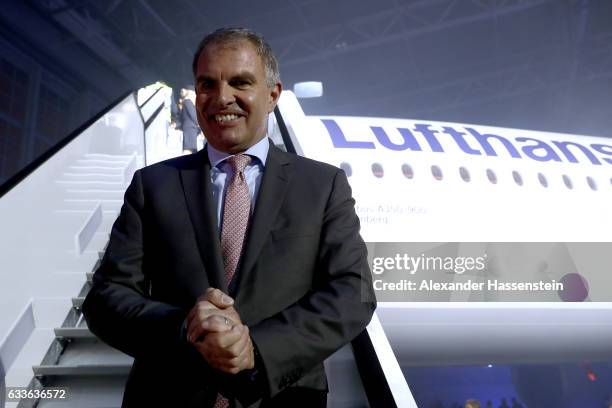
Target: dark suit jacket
(303, 285)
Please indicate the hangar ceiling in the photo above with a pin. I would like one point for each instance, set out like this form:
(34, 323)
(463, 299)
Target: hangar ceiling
(538, 64)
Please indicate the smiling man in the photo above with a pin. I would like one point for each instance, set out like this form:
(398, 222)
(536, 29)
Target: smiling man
(231, 274)
(234, 93)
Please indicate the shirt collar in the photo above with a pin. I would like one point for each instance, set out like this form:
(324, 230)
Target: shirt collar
(258, 150)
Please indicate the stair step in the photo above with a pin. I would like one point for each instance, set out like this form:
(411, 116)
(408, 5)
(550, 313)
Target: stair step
(78, 301)
(102, 162)
(90, 184)
(97, 194)
(74, 332)
(104, 156)
(97, 170)
(86, 356)
(83, 369)
(88, 392)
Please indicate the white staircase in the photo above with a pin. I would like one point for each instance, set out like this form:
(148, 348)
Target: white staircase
(93, 372)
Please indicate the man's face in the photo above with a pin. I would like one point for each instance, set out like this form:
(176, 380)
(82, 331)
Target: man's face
(232, 97)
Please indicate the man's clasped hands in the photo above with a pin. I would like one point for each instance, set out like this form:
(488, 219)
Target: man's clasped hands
(215, 329)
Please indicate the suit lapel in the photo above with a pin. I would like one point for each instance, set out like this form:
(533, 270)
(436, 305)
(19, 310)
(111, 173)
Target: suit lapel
(276, 177)
(197, 188)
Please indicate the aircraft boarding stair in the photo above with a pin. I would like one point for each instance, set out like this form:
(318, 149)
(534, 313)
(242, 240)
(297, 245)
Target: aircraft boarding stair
(93, 373)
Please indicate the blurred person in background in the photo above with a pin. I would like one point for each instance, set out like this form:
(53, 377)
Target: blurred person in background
(189, 121)
(516, 404)
(472, 403)
(504, 404)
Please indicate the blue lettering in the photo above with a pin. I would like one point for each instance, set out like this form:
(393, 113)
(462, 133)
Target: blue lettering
(409, 141)
(430, 136)
(605, 149)
(339, 140)
(564, 147)
(488, 149)
(530, 150)
(458, 136)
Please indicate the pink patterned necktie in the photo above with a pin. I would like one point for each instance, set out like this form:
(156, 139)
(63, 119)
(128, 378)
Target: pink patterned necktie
(236, 211)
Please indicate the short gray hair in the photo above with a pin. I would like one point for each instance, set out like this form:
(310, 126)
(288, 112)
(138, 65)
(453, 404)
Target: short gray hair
(228, 35)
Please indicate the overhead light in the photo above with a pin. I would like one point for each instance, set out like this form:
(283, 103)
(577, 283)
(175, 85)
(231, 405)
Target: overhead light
(310, 89)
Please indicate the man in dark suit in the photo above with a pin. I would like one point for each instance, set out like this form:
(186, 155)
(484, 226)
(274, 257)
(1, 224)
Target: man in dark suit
(231, 274)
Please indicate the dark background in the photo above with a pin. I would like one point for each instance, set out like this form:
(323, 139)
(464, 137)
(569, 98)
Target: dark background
(534, 64)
